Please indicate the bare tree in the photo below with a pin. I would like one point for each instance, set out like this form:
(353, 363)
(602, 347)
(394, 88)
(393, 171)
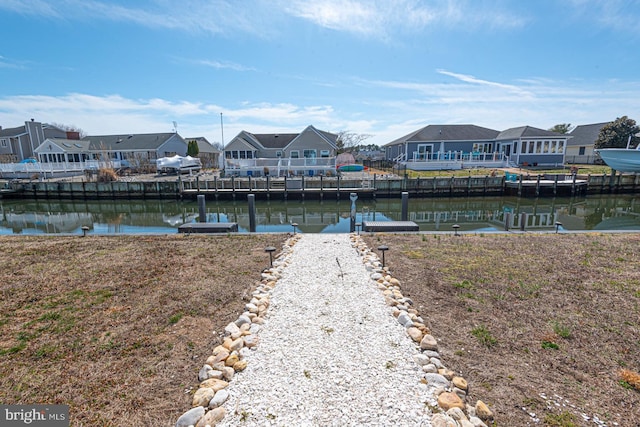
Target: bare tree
(350, 141)
(69, 128)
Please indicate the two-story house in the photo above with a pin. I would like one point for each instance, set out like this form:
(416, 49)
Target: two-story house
(19, 143)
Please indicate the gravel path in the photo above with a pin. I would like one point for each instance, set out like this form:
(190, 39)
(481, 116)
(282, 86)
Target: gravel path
(330, 352)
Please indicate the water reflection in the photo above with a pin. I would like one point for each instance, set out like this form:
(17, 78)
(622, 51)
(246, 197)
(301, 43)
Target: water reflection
(473, 214)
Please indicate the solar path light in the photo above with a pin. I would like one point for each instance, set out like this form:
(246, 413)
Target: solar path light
(383, 249)
(270, 250)
(455, 227)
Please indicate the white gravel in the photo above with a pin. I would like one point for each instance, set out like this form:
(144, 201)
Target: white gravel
(330, 353)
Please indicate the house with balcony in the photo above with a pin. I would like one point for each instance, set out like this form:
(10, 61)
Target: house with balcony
(310, 152)
(134, 150)
(19, 143)
(451, 147)
(580, 148)
(436, 147)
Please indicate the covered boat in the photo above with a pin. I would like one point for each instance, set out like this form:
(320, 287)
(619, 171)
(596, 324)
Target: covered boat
(178, 164)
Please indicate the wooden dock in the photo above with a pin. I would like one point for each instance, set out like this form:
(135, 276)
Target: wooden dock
(208, 227)
(389, 226)
(542, 186)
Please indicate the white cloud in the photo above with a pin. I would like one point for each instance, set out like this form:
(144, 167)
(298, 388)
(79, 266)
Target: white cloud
(380, 18)
(221, 65)
(263, 18)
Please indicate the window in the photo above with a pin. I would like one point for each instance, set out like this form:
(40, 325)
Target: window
(560, 146)
(295, 154)
(309, 154)
(243, 154)
(581, 151)
(545, 147)
(3, 142)
(324, 153)
(482, 147)
(278, 153)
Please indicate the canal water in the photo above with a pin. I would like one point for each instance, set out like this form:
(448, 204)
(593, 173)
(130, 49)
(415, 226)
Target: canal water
(480, 215)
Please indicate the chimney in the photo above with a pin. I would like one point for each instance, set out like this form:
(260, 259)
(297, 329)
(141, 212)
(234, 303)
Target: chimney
(73, 135)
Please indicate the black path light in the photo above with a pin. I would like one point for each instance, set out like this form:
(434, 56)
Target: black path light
(383, 249)
(84, 229)
(558, 225)
(270, 250)
(455, 227)
(358, 225)
(294, 225)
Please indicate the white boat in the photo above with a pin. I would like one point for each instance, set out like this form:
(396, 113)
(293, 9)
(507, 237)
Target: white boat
(621, 159)
(177, 164)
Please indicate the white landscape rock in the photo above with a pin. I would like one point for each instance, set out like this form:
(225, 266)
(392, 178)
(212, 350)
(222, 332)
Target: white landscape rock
(329, 352)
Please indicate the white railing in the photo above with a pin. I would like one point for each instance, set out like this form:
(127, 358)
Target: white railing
(38, 167)
(280, 163)
(457, 156)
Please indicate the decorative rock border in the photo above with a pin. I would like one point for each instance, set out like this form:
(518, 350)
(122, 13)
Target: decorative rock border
(451, 390)
(240, 337)
(228, 358)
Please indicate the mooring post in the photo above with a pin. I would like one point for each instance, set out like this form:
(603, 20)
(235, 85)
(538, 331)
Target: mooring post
(202, 213)
(507, 220)
(252, 212)
(523, 221)
(405, 206)
(353, 197)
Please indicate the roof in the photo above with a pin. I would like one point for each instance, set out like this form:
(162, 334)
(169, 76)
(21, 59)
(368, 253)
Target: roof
(20, 130)
(439, 133)
(281, 140)
(147, 141)
(528, 132)
(70, 145)
(274, 140)
(204, 146)
(585, 134)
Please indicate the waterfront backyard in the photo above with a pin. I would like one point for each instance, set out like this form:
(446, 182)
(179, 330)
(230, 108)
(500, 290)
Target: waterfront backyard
(117, 327)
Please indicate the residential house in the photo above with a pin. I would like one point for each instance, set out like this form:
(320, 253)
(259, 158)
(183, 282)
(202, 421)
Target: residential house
(19, 143)
(135, 150)
(530, 146)
(310, 152)
(445, 147)
(207, 153)
(458, 146)
(580, 147)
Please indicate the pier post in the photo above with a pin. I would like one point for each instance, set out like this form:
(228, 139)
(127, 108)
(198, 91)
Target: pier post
(523, 221)
(252, 212)
(405, 206)
(538, 186)
(202, 212)
(507, 221)
(352, 226)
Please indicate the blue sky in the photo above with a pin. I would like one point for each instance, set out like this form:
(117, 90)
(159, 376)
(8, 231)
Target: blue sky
(384, 68)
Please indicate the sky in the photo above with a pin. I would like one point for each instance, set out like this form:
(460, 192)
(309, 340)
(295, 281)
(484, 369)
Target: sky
(370, 67)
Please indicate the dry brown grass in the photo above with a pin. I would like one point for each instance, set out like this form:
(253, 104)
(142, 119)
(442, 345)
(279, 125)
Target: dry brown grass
(630, 377)
(564, 311)
(118, 327)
